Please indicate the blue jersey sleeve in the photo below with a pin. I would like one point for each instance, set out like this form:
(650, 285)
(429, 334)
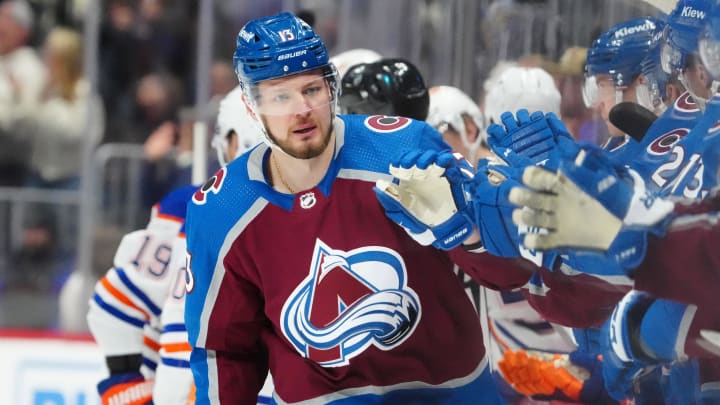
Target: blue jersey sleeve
(223, 310)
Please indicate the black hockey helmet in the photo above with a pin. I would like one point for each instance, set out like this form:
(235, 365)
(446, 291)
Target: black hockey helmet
(390, 86)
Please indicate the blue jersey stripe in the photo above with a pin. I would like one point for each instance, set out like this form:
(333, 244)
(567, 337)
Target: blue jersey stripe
(174, 327)
(175, 363)
(149, 363)
(138, 293)
(117, 313)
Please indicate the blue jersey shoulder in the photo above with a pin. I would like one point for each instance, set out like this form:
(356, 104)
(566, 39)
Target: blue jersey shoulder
(226, 196)
(175, 202)
(372, 141)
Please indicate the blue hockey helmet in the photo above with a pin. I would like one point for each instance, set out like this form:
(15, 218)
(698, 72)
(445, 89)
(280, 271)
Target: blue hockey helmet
(277, 46)
(619, 51)
(683, 28)
(280, 46)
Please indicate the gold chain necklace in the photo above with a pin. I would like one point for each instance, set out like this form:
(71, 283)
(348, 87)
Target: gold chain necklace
(280, 176)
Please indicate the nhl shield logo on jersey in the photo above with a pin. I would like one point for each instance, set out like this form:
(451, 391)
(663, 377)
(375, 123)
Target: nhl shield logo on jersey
(386, 123)
(348, 302)
(308, 200)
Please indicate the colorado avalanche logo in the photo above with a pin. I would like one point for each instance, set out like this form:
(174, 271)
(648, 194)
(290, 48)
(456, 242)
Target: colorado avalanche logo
(386, 123)
(686, 104)
(665, 142)
(213, 185)
(349, 301)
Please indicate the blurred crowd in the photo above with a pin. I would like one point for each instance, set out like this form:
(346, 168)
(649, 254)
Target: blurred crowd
(145, 96)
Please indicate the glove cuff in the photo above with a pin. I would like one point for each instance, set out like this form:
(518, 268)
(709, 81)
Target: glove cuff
(126, 389)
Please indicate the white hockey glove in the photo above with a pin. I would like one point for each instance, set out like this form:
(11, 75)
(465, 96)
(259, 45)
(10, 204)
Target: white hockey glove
(428, 197)
(586, 204)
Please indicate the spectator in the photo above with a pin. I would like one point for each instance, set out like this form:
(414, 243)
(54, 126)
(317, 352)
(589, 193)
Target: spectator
(58, 122)
(168, 148)
(22, 79)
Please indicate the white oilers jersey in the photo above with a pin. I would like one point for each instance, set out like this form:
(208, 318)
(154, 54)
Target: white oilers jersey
(124, 315)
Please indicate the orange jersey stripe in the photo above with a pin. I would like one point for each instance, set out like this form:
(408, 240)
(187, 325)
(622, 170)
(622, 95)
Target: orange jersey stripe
(177, 347)
(120, 296)
(169, 217)
(155, 346)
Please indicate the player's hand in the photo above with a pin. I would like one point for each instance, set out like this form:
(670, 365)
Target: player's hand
(586, 204)
(621, 369)
(126, 389)
(540, 138)
(527, 135)
(551, 376)
(641, 336)
(428, 197)
(493, 211)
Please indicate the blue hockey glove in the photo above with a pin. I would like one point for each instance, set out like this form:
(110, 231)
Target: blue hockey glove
(642, 334)
(125, 389)
(493, 212)
(539, 137)
(428, 197)
(527, 135)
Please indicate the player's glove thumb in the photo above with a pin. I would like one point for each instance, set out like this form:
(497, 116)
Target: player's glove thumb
(427, 197)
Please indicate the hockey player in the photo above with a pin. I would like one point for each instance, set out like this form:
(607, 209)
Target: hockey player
(456, 116)
(345, 60)
(124, 315)
(644, 330)
(531, 88)
(614, 74)
(669, 173)
(137, 313)
(613, 69)
(389, 86)
(514, 325)
(294, 266)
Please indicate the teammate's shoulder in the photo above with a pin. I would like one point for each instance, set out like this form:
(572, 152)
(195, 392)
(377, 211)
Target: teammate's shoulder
(382, 124)
(371, 142)
(175, 202)
(684, 107)
(390, 133)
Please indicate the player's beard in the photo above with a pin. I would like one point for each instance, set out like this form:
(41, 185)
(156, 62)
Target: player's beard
(307, 150)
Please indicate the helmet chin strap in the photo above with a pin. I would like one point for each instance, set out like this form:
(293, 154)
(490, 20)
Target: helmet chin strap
(642, 95)
(618, 96)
